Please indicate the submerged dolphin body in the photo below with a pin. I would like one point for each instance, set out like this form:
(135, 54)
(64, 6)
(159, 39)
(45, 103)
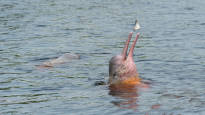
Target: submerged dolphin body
(65, 58)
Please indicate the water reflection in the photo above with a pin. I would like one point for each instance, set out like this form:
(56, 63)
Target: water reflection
(128, 96)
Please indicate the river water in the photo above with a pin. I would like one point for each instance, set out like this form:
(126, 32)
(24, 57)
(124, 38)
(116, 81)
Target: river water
(170, 54)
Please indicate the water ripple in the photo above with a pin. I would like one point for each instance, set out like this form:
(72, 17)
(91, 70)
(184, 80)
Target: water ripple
(169, 54)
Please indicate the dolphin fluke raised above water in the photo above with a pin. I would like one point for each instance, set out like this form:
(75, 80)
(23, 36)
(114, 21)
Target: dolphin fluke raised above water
(122, 69)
